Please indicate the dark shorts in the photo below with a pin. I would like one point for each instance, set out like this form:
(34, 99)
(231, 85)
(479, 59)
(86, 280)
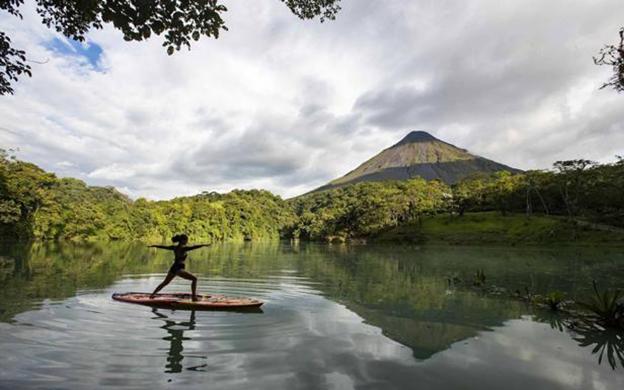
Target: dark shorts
(176, 267)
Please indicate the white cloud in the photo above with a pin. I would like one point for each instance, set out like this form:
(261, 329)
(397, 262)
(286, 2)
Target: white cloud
(287, 105)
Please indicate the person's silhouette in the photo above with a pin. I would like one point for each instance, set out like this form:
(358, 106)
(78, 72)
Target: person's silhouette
(177, 268)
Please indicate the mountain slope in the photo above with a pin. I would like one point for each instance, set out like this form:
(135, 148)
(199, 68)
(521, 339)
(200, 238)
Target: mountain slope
(419, 154)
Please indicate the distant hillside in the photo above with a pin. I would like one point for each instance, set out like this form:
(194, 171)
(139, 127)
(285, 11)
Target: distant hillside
(420, 154)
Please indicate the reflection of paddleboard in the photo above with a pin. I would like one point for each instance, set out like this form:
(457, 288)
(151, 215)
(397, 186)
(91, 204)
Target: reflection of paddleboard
(183, 301)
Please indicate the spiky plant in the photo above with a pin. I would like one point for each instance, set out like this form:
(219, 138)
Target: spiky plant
(605, 307)
(479, 278)
(554, 300)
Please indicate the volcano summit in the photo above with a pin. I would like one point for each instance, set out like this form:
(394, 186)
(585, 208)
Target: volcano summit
(420, 154)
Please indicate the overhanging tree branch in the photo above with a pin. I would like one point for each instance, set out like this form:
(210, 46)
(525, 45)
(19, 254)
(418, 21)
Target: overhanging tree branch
(613, 55)
(179, 21)
(12, 64)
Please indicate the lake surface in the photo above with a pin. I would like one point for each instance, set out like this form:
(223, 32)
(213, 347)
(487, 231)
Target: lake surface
(336, 317)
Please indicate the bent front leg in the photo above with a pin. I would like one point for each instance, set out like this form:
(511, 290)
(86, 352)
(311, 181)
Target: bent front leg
(164, 283)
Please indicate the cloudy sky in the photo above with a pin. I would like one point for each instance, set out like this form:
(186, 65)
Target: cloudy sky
(286, 105)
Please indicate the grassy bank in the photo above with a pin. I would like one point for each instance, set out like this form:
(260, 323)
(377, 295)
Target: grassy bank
(492, 227)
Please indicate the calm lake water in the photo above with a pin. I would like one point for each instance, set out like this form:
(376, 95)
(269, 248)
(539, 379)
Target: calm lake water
(337, 317)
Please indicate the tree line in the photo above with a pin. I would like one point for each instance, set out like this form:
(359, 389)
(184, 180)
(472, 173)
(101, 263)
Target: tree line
(35, 204)
(574, 189)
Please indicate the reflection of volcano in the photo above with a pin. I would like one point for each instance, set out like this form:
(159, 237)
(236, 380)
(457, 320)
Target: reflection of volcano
(427, 333)
(176, 337)
(409, 298)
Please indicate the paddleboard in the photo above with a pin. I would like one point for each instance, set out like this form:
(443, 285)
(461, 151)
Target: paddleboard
(183, 301)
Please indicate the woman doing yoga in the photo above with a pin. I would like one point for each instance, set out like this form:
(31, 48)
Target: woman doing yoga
(177, 268)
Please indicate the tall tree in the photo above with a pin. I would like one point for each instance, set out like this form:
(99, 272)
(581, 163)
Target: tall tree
(179, 21)
(571, 183)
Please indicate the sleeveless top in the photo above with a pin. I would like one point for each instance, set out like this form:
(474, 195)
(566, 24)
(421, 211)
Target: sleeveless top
(180, 255)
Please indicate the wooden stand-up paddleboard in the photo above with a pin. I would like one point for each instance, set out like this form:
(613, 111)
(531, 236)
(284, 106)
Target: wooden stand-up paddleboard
(183, 301)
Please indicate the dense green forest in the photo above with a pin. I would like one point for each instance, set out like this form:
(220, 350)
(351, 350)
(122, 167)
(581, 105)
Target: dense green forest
(37, 204)
(579, 190)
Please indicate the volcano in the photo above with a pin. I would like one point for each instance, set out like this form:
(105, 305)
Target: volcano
(420, 154)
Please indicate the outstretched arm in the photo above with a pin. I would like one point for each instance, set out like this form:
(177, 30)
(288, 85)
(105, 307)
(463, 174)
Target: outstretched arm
(193, 247)
(170, 247)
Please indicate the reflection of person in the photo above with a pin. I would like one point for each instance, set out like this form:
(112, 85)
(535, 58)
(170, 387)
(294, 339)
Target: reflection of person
(177, 268)
(176, 337)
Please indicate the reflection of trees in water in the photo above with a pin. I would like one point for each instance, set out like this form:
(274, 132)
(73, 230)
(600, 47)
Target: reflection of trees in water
(607, 342)
(401, 289)
(600, 325)
(176, 338)
(604, 341)
(34, 271)
(556, 320)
